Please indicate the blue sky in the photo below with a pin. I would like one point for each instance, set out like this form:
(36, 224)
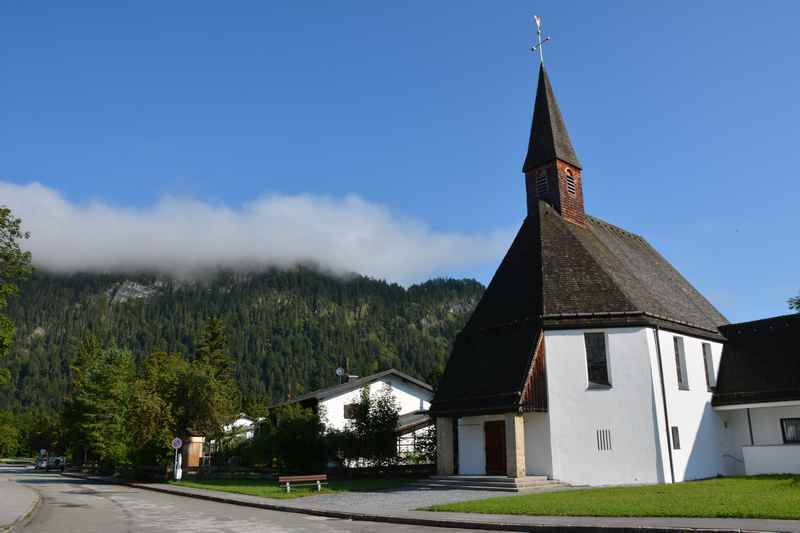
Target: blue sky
(684, 115)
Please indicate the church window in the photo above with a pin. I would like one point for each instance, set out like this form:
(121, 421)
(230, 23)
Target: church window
(571, 184)
(597, 359)
(791, 430)
(711, 378)
(676, 438)
(680, 363)
(541, 185)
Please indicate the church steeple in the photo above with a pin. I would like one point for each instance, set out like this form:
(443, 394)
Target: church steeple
(552, 169)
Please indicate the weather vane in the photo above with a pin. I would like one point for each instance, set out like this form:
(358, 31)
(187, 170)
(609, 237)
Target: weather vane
(538, 20)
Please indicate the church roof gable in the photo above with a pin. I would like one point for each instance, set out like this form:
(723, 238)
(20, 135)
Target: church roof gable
(555, 275)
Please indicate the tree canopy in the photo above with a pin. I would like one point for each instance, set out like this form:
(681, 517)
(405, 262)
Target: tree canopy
(285, 330)
(15, 265)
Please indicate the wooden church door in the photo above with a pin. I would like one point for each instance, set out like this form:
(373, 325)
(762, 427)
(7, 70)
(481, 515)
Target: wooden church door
(495, 445)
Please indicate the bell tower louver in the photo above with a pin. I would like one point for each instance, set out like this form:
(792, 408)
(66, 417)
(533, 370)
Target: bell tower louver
(552, 169)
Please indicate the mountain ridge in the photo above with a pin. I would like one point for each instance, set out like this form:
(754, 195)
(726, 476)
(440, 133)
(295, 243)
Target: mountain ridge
(288, 329)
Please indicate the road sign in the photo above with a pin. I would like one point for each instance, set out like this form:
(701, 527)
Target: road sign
(177, 443)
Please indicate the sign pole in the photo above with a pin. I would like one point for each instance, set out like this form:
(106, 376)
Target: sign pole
(177, 472)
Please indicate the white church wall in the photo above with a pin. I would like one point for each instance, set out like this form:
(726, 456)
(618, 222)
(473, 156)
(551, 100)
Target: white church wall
(538, 459)
(409, 397)
(700, 428)
(662, 444)
(471, 444)
(766, 421)
(733, 436)
(766, 453)
(627, 409)
(772, 459)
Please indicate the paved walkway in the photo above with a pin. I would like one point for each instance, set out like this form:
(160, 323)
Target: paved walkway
(16, 500)
(399, 506)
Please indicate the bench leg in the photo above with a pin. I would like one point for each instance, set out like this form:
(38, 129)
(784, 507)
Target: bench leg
(319, 486)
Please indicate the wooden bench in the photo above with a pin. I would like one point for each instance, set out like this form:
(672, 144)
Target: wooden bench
(303, 481)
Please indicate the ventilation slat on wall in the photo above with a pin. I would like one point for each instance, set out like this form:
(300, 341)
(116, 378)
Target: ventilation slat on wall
(604, 440)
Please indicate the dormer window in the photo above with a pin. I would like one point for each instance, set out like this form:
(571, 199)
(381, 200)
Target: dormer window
(541, 185)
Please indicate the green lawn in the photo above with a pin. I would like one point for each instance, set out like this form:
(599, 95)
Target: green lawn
(271, 489)
(17, 460)
(733, 497)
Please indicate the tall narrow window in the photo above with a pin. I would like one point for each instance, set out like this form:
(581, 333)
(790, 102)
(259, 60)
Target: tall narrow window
(597, 359)
(791, 430)
(571, 184)
(541, 185)
(708, 360)
(676, 438)
(680, 363)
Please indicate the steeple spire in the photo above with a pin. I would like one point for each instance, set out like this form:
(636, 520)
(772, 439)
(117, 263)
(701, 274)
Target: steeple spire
(552, 169)
(549, 138)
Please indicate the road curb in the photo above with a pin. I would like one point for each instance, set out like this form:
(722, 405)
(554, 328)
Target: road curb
(426, 522)
(23, 520)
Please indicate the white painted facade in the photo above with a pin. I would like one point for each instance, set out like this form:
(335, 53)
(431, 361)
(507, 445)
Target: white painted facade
(620, 434)
(243, 426)
(408, 396)
(626, 410)
(752, 440)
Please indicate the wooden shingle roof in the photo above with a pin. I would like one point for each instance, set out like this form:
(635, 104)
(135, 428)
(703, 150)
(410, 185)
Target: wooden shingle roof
(559, 275)
(760, 362)
(549, 138)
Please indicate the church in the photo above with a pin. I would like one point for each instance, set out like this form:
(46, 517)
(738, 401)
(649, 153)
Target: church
(590, 359)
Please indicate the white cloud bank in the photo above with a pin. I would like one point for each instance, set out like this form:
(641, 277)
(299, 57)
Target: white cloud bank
(184, 237)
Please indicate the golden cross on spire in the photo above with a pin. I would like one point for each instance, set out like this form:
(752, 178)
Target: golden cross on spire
(539, 41)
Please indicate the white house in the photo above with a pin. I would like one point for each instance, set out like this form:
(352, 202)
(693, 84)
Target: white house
(590, 359)
(412, 396)
(243, 426)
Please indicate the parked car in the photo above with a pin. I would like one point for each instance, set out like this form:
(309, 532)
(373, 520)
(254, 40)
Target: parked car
(41, 464)
(55, 463)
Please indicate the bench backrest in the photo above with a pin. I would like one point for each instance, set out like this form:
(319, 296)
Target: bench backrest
(294, 479)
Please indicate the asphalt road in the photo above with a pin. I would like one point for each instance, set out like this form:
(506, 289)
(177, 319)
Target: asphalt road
(78, 506)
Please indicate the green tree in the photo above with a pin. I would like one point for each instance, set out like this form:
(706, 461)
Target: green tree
(41, 430)
(384, 415)
(83, 360)
(794, 303)
(173, 396)
(212, 349)
(371, 433)
(9, 434)
(293, 327)
(156, 404)
(15, 265)
(210, 392)
(103, 401)
(298, 439)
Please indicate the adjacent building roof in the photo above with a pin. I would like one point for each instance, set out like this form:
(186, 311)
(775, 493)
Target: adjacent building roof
(413, 421)
(358, 383)
(562, 275)
(760, 362)
(549, 137)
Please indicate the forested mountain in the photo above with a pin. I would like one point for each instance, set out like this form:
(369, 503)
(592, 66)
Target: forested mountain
(288, 329)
